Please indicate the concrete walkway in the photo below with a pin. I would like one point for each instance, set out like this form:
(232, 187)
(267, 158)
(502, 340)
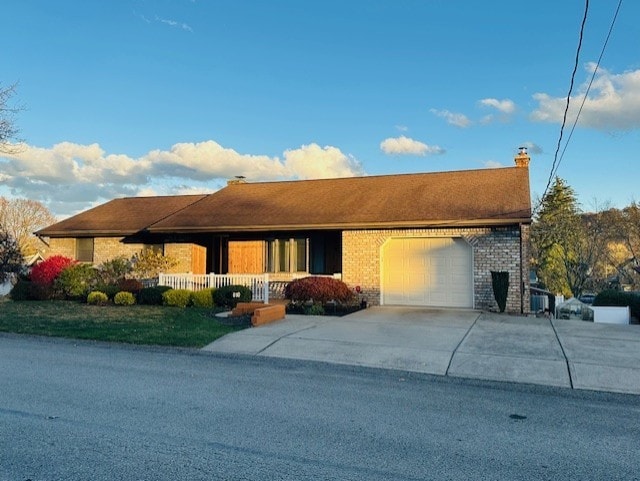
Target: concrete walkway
(461, 343)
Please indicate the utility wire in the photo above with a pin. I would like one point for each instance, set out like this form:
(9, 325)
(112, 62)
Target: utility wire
(566, 109)
(593, 76)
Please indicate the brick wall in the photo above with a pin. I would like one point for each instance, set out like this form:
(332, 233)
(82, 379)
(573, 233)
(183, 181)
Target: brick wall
(62, 247)
(497, 249)
(107, 248)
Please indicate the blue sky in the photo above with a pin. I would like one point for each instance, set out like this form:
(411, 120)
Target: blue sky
(142, 97)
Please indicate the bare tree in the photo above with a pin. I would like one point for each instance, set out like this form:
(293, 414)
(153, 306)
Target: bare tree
(20, 218)
(8, 129)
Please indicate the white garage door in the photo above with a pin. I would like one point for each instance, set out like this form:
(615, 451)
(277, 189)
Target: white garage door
(427, 272)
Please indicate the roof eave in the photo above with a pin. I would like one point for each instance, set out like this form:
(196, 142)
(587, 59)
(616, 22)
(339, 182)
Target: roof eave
(86, 233)
(341, 226)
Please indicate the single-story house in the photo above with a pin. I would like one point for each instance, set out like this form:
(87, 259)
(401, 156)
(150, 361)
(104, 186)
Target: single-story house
(428, 239)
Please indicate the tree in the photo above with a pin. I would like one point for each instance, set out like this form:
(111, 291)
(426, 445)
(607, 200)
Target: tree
(148, 263)
(621, 264)
(11, 261)
(20, 218)
(8, 129)
(566, 244)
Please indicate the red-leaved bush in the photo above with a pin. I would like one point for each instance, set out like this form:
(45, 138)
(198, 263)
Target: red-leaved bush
(318, 289)
(134, 286)
(49, 269)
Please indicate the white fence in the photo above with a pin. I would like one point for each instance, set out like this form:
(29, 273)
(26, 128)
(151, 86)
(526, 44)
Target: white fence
(258, 283)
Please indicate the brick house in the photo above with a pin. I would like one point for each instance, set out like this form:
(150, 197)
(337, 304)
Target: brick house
(412, 239)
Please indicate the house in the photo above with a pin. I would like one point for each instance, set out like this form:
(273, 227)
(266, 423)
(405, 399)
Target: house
(429, 239)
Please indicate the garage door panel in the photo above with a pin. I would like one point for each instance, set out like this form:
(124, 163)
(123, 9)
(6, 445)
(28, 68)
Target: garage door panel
(427, 272)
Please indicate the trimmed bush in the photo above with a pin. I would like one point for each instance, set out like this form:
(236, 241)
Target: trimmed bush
(21, 291)
(176, 297)
(75, 281)
(49, 269)
(318, 290)
(500, 283)
(130, 285)
(152, 295)
(124, 298)
(203, 298)
(97, 298)
(229, 296)
(619, 298)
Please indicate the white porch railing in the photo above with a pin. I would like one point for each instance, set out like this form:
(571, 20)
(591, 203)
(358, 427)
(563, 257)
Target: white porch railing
(258, 283)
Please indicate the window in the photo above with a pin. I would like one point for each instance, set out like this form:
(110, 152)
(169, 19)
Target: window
(287, 255)
(157, 248)
(84, 249)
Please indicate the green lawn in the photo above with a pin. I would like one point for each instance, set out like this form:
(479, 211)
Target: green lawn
(157, 325)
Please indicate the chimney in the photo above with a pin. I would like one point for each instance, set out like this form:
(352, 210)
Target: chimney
(522, 159)
(239, 179)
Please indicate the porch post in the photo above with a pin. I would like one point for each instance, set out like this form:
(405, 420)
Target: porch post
(265, 288)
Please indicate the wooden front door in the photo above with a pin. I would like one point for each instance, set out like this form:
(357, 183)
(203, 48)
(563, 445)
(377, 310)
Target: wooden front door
(198, 259)
(246, 257)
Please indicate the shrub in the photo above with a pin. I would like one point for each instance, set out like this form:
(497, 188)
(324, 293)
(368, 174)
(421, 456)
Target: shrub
(500, 283)
(149, 263)
(176, 297)
(115, 269)
(152, 295)
(109, 289)
(229, 296)
(76, 280)
(97, 298)
(21, 291)
(318, 290)
(203, 298)
(130, 285)
(40, 292)
(124, 298)
(619, 298)
(314, 310)
(49, 269)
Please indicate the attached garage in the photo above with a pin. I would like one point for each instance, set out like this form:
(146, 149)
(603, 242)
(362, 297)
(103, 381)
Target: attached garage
(424, 271)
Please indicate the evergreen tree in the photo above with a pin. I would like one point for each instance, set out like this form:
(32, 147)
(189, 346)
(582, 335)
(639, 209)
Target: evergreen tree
(566, 248)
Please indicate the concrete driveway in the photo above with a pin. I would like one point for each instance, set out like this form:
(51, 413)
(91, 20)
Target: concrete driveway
(460, 343)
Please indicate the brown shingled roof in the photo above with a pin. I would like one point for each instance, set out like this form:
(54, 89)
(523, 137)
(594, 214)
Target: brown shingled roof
(471, 197)
(120, 216)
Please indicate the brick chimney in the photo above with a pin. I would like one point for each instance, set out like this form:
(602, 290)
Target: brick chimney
(522, 159)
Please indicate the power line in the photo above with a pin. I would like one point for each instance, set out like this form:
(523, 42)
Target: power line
(593, 76)
(566, 109)
(556, 160)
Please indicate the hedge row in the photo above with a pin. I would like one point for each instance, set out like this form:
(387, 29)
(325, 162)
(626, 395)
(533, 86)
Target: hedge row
(620, 298)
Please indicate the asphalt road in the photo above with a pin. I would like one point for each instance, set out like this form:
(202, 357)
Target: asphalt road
(84, 411)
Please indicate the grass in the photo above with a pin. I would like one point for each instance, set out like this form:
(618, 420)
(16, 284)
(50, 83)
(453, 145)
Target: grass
(154, 325)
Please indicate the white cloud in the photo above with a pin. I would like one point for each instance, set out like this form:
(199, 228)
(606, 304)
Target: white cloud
(315, 162)
(613, 102)
(405, 146)
(204, 160)
(505, 106)
(459, 120)
(69, 177)
(174, 23)
(402, 128)
(493, 164)
(532, 148)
